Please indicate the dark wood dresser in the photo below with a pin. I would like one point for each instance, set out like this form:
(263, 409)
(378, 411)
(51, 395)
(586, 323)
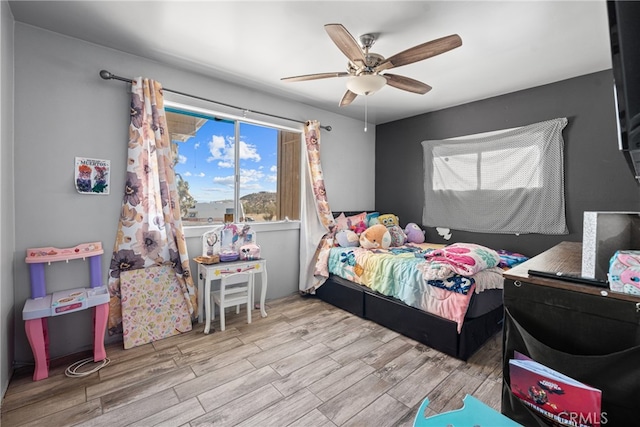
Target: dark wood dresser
(584, 331)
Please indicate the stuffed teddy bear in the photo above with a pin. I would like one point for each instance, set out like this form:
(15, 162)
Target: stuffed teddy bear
(347, 238)
(388, 220)
(414, 233)
(375, 237)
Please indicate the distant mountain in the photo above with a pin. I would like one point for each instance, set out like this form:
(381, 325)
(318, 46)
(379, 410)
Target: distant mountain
(262, 202)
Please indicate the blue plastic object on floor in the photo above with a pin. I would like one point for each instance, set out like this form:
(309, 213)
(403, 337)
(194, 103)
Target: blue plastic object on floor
(474, 413)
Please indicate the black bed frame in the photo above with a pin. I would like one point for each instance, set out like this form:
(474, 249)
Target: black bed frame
(428, 329)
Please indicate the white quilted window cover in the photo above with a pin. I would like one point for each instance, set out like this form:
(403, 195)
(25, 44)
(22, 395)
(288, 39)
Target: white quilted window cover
(509, 182)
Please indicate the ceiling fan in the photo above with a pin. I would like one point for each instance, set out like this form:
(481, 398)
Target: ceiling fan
(364, 70)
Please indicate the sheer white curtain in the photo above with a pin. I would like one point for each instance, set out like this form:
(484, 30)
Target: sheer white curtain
(317, 225)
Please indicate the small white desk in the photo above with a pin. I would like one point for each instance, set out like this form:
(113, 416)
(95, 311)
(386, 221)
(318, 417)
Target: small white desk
(210, 272)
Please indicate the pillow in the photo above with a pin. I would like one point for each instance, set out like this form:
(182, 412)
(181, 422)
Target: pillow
(372, 218)
(355, 219)
(349, 222)
(341, 222)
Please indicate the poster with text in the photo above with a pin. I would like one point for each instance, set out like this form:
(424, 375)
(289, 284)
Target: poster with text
(92, 176)
(560, 399)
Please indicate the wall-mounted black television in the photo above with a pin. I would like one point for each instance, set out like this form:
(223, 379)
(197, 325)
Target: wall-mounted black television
(624, 29)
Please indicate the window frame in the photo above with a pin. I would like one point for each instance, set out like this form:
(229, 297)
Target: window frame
(175, 106)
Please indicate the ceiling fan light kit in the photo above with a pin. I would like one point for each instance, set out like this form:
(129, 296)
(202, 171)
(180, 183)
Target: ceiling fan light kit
(366, 84)
(364, 68)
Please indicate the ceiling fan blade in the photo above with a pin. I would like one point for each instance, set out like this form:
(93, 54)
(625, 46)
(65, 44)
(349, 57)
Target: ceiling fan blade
(406, 83)
(345, 42)
(347, 98)
(314, 76)
(421, 52)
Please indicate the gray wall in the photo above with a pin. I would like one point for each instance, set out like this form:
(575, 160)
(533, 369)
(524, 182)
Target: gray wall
(64, 109)
(6, 196)
(596, 175)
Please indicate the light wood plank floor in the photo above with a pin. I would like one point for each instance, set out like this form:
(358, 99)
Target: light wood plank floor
(306, 364)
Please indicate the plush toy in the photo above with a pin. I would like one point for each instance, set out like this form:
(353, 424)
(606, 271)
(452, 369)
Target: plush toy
(414, 233)
(347, 238)
(375, 237)
(249, 252)
(388, 220)
(398, 237)
(359, 227)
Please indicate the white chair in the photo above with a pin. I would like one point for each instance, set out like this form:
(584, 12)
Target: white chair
(235, 289)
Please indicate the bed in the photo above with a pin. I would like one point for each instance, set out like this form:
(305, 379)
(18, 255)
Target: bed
(401, 289)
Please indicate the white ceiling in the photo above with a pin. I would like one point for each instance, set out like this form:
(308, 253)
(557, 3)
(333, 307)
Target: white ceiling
(507, 45)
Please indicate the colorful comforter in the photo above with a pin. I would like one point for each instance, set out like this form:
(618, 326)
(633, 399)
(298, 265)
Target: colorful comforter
(424, 276)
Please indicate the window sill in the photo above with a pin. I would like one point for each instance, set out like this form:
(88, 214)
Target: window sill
(258, 227)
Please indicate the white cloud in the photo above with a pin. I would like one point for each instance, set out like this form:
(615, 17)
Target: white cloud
(213, 193)
(219, 149)
(182, 159)
(252, 187)
(224, 180)
(249, 152)
(273, 169)
(198, 175)
(250, 175)
(249, 179)
(222, 149)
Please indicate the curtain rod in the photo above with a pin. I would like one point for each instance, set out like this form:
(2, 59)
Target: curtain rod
(109, 76)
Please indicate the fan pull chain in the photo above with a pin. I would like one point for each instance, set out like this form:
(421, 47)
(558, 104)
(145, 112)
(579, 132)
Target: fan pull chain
(365, 113)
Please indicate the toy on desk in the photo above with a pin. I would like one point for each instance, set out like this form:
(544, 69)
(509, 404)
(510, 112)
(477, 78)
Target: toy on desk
(42, 305)
(474, 413)
(624, 272)
(228, 243)
(224, 243)
(248, 247)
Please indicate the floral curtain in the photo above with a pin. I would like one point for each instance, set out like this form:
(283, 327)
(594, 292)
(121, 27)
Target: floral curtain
(318, 226)
(150, 229)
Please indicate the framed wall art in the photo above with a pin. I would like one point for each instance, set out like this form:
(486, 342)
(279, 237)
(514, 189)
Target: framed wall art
(92, 176)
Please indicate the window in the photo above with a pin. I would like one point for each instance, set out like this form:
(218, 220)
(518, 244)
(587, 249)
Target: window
(257, 179)
(506, 182)
(499, 169)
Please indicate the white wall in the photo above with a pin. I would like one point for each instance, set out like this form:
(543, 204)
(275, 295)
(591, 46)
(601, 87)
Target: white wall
(64, 109)
(7, 222)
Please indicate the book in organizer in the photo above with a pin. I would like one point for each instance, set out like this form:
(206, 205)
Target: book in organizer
(557, 398)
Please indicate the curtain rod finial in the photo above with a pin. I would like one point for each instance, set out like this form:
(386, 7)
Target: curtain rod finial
(105, 74)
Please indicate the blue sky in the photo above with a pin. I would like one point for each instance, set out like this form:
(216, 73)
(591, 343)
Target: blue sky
(206, 161)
